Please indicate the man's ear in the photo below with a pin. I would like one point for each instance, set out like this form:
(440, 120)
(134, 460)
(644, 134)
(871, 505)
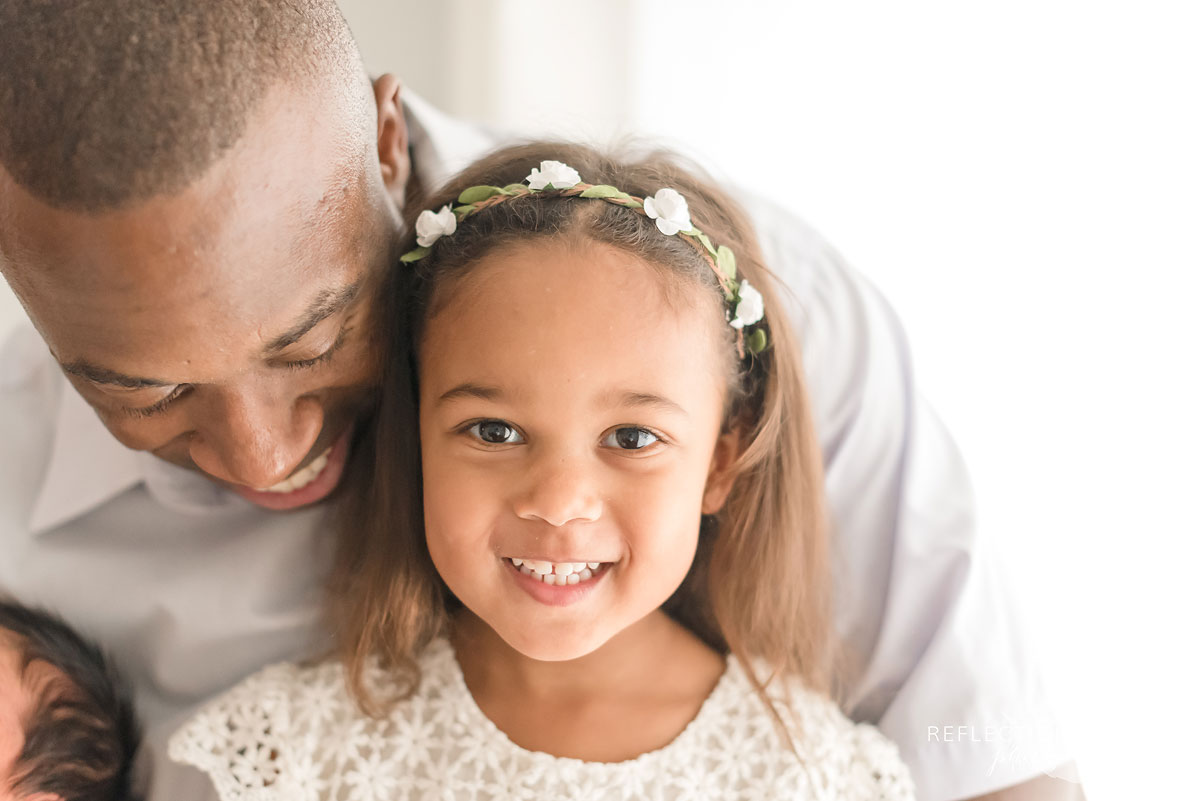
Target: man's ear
(392, 137)
(720, 471)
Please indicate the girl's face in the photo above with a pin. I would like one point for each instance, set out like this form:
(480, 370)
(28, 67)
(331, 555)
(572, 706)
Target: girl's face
(571, 402)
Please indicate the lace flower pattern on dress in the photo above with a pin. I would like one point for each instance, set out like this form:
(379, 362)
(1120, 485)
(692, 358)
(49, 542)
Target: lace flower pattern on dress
(293, 733)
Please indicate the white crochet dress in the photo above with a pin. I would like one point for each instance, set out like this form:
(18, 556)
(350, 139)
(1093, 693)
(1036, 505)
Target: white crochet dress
(291, 733)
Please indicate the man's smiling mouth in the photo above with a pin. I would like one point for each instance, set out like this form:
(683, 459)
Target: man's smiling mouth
(309, 484)
(303, 477)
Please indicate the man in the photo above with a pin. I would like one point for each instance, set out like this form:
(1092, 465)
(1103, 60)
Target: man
(194, 201)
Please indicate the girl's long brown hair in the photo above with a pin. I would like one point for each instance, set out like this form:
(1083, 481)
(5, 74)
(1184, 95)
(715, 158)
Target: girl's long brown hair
(759, 584)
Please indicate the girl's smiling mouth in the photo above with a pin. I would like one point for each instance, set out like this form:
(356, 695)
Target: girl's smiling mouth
(556, 583)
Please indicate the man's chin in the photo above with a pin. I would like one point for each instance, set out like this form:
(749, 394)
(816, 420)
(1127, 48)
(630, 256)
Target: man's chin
(316, 490)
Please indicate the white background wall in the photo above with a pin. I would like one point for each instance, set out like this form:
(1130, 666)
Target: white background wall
(1023, 181)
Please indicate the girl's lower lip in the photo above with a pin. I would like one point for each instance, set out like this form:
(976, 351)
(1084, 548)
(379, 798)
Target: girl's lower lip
(552, 594)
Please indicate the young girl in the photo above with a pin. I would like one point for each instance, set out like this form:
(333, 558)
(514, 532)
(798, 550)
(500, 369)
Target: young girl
(584, 555)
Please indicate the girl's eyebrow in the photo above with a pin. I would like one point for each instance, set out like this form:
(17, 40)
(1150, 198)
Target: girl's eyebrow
(470, 391)
(617, 398)
(649, 399)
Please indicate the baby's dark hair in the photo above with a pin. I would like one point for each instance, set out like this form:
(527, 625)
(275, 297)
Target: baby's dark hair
(82, 734)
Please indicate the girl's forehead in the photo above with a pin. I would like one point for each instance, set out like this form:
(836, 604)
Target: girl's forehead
(574, 318)
(535, 284)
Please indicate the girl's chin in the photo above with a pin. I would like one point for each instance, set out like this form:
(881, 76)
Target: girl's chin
(544, 647)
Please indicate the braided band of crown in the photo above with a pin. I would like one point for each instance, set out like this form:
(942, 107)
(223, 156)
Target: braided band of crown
(743, 303)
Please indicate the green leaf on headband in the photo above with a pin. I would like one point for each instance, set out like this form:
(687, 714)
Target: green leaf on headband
(475, 194)
(757, 342)
(604, 190)
(632, 203)
(515, 189)
(463, 211)
(708, 245)
(414, 255)
(727, 262)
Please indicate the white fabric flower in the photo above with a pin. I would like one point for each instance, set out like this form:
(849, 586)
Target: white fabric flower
(432, 226)
(554, 174)
(669, 211)
(750, 306)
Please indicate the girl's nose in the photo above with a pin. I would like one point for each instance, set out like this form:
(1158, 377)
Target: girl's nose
(560, 492)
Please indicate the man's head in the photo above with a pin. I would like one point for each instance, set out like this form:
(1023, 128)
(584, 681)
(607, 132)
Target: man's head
(67, 726)
(194, 198)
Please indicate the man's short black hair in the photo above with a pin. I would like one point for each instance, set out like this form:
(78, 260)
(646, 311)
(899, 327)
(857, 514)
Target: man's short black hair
(82, 736)
(104, 103)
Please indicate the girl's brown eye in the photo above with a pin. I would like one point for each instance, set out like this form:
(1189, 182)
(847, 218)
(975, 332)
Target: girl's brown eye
(630, 439)
(495, 432)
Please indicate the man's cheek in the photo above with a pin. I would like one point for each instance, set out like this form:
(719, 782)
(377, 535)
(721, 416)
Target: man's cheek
(356, 368)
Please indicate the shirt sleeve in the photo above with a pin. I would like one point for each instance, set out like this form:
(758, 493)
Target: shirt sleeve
(926, 615)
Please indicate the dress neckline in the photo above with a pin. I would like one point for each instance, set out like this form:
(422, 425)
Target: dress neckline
(714, 706)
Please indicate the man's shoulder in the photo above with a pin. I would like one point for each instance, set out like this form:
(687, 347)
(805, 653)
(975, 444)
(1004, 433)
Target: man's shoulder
(26, 364)
(799, 256)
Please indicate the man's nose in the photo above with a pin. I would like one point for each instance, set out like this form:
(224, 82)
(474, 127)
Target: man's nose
(560, 489)
(255, 440)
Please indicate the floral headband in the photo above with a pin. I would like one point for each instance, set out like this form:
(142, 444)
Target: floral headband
(668, 209)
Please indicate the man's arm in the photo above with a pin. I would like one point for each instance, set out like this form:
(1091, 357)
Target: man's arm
(937, 655)
(1043, 788)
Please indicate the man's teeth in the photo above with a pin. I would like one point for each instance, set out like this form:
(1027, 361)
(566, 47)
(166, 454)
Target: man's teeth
(304, 477)
(558, 573)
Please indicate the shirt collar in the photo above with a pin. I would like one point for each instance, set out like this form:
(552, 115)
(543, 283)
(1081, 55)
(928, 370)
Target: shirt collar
(88, 468)
(441, 145)
(87, 465)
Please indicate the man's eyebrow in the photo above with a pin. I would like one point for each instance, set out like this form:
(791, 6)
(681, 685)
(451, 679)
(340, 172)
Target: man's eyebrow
(102, 375)
(470, 391)
(326, 304)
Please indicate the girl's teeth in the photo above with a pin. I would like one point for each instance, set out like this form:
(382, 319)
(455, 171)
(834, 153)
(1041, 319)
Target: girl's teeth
(559, 574)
